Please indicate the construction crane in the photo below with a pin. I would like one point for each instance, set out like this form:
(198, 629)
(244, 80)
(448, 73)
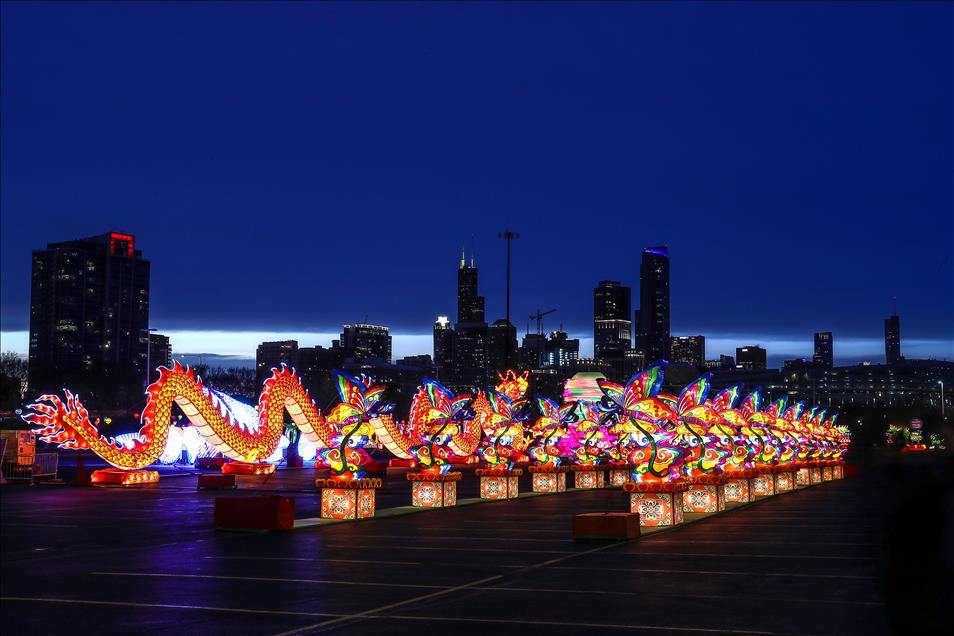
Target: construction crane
(539, 318)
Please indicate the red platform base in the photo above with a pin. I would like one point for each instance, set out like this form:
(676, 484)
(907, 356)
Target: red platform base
(606, 525)
(241, 468)
(705, 494)
(658, 503)
(499, 484)
(433, 490)
(216, 482)
(347, 498)
(119, 477)
(254, 513)
(620, 474)
(547, 478)
(588, 477)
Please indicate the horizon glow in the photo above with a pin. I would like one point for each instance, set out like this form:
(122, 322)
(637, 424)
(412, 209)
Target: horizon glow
(240, 345)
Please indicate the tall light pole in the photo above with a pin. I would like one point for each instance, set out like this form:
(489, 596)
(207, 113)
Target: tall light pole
(508, 236)
(943, 417)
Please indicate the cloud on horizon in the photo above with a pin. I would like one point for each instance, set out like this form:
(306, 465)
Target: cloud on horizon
(237, 348)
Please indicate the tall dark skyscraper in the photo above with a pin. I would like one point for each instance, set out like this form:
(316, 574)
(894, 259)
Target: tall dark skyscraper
(652, 317)
(501, 345)
(470, 306)
(892, 339)
(612, 328)
(89, 315)
(824, 349)
(471, 363)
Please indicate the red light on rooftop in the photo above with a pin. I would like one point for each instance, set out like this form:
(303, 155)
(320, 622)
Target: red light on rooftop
(115, 239)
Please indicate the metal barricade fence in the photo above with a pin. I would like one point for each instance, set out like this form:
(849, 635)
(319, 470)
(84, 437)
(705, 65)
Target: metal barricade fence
(46, 465)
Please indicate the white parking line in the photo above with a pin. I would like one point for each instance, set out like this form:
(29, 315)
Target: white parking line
(721, 573)
(265, 579)
(313, 559)
(77, 601)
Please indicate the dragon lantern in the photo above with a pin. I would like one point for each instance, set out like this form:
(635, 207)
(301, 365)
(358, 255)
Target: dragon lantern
(67, 422)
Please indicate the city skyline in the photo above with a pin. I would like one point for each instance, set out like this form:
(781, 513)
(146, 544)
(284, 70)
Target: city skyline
(793, 218)
(225, 348)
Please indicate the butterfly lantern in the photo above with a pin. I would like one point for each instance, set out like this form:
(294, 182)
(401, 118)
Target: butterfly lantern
(695, 419)
(646, 423)
(728, 432)
(436, 416)
(350, 421)
(550, 429)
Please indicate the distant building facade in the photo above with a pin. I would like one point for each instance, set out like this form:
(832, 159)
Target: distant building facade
(160, 353)
(502, 345)
(688, 350)
(612, 327)
(751, 358)
(272, 355)
(892, 340)
(824, 349)
(444, 338)
(652, 317)
(366, 342)
(89, 315)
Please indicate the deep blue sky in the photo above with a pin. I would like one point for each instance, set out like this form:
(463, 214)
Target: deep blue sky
(294, 167)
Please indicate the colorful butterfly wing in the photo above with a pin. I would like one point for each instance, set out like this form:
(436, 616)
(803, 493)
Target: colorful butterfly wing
(612, 390)
(726, 398)
(643, 385)
(750, 405)
(694, 394)
(350, 388)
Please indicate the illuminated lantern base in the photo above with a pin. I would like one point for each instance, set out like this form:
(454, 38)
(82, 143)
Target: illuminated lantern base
(496, 483)
(587, 477)
(547, 478)
(802, 478)
(119, 477)
(620, 474)
(433, 490)
(658, 503)
(838, 470)
(347, 498)
(762, 485)
(736, 490)
(784, 479)
(241, 468)
(814, 474)
(826, 474)
(705, 494)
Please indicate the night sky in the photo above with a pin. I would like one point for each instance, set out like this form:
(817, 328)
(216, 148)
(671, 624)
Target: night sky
(288, 168)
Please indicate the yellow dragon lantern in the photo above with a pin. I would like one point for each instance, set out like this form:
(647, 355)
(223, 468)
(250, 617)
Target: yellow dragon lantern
(67, 422)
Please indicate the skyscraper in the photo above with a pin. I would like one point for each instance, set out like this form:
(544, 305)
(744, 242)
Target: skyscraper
(612, 328)
(470, 306)
(471, 364)
(688, 350)
(444, 337)
(89, 315)
(652, 317)
(824, 349)
(365, 342)
(501, 345)
(892, 339)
